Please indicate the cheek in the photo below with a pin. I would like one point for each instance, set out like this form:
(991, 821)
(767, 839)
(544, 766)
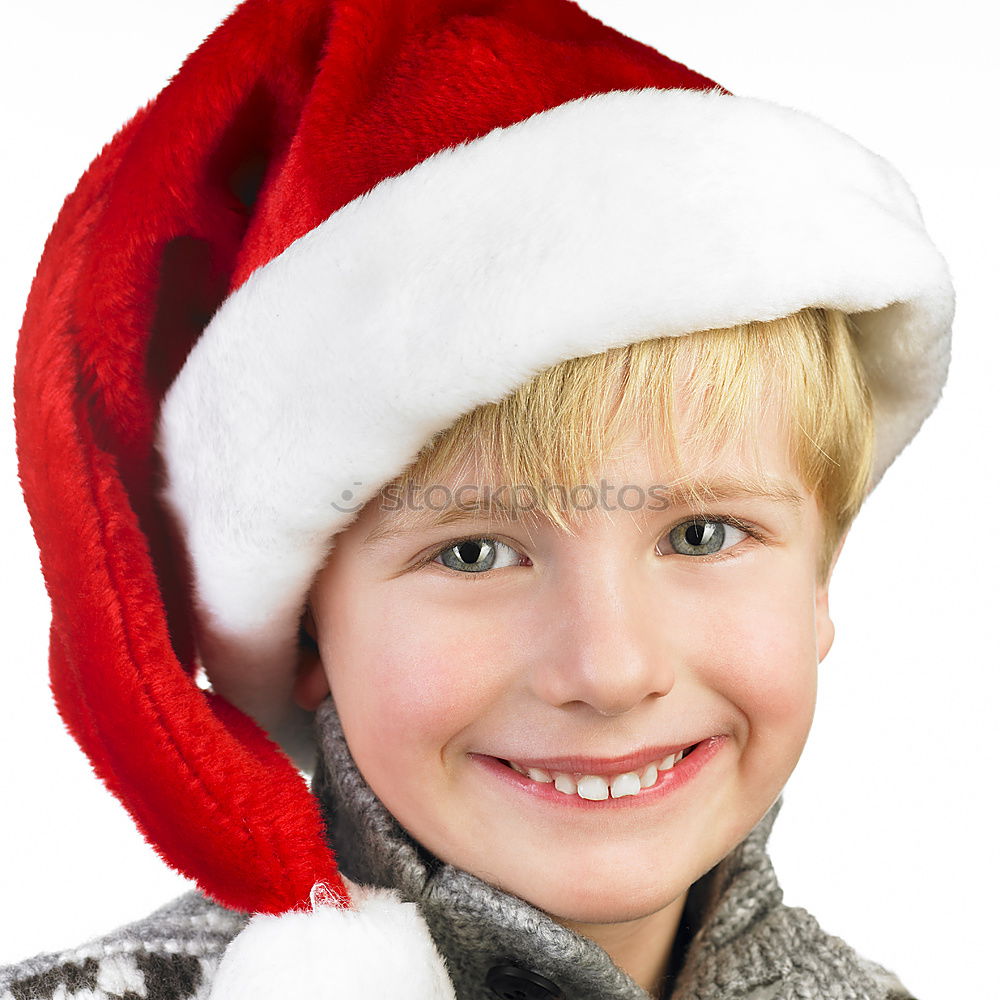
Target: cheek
(406, 688)
(764, 662)
(420, 677)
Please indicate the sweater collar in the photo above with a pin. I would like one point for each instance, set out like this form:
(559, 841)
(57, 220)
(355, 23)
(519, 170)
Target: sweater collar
(478, 927)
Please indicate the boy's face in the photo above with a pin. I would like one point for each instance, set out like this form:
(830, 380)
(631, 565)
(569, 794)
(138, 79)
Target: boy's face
(598, 654)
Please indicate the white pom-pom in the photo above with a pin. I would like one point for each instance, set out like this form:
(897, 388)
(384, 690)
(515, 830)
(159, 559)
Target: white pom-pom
(380, 949)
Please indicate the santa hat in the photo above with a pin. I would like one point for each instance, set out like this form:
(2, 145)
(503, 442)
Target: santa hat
(338, 228)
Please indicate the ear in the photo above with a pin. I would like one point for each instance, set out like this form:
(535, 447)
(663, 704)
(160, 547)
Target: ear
(824, 623)
(311, 685)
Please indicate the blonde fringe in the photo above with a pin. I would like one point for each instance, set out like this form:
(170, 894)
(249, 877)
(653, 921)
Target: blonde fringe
(560, 427)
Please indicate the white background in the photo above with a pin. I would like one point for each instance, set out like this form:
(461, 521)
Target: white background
(889, 831)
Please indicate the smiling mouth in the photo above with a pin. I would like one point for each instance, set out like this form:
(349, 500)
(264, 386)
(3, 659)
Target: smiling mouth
(597, 787)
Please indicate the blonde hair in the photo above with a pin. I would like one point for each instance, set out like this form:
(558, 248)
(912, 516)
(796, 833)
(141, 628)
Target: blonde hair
(560, 426)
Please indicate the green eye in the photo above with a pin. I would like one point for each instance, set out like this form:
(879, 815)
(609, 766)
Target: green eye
(701, 538)
(475, 555)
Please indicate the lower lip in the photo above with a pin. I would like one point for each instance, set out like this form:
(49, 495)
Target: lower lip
(666, 781)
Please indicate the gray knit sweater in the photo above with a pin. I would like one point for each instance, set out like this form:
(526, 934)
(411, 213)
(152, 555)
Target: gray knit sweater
(741, 942)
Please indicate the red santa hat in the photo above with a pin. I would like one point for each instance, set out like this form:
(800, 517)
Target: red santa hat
(338, 228)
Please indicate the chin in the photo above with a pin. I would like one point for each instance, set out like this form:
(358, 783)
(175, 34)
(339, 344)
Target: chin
(601, 901)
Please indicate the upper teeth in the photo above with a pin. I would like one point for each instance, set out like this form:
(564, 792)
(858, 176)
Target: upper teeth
(596, 787)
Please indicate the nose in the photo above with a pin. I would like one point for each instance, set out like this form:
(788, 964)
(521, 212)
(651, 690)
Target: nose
(606, 649)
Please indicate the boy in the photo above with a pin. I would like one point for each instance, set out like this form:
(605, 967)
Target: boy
(436, 284)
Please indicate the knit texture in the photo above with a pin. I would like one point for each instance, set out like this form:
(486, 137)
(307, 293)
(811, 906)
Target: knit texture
(170, 955)
(745, 943)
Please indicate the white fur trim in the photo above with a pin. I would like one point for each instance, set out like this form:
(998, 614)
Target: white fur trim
(379, 949)
(607, 220)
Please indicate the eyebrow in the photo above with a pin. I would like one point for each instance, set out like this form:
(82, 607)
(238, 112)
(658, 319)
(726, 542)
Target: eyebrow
(682, 494)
